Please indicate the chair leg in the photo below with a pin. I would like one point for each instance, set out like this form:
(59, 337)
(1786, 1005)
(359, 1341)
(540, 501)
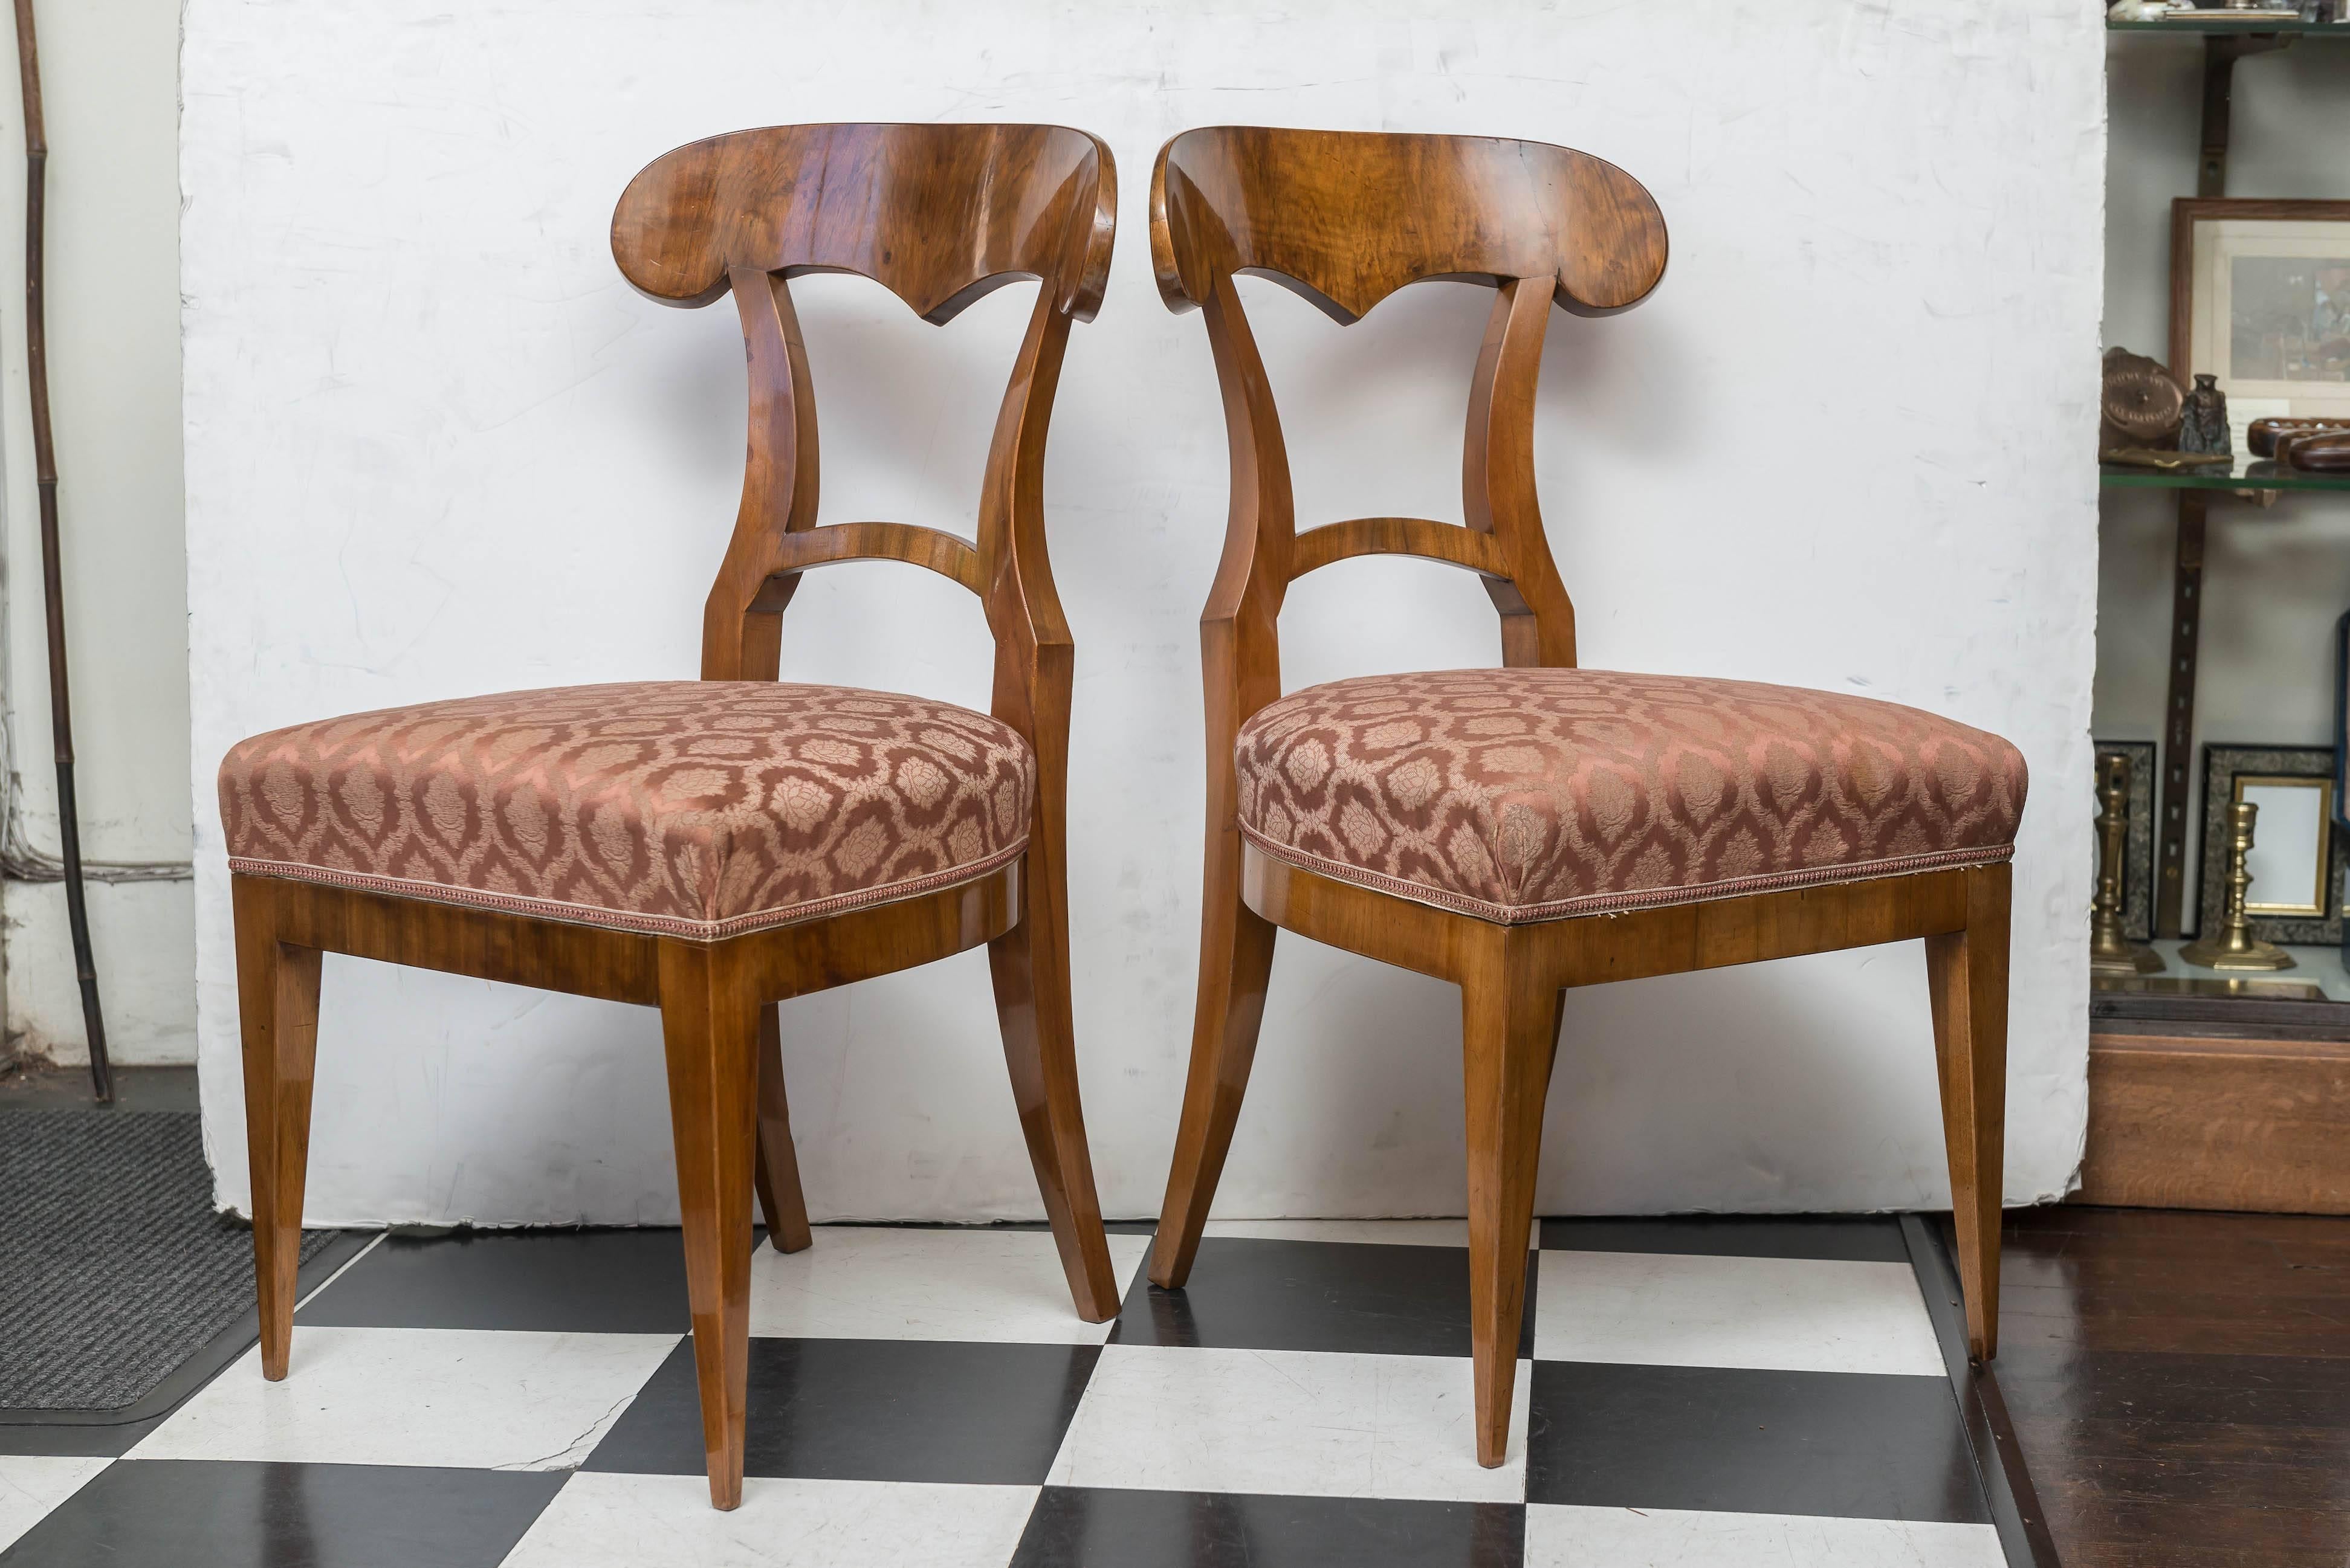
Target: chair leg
(1236, 966)
(710, 1035)
(277, 1004)
(782, 1203)
(1967, 973)
(1509, 1026)
(1030, 966)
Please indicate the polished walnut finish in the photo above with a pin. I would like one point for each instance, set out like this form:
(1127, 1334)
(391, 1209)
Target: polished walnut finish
(1344, 220)
(940, 214)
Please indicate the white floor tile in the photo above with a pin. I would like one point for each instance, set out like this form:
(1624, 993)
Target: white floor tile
(30, 1488)
(464, 1397)
(1797, 1314)
(666, 1521)
(1398, 1232)
(897, 1282)
(1662, 1537)
(1289, 1422)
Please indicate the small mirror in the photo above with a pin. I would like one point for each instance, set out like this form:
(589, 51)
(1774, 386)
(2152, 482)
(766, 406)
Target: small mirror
(2291, 844)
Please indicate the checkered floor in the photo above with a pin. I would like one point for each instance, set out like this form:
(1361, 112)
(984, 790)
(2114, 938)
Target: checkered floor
(1720, 1391)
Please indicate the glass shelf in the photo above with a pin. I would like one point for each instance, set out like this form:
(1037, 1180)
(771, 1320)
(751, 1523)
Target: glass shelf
(2198, 26)
(2310, 1001)
(2247, 474)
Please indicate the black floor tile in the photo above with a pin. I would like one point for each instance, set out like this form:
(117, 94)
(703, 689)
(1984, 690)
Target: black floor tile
(1082, 1528)
(569, 1281)
(860, 1410)
(213, 1513)
(1740, 1440)
(1370, 1298)
(1115, 1227)
(1836, 1238)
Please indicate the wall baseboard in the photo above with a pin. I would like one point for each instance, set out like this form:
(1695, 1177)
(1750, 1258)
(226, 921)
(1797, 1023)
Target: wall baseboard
(2186, 1122)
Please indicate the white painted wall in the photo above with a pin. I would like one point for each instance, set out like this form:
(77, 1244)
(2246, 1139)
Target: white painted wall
(436, 447)
(110, 73)
(2275, 579)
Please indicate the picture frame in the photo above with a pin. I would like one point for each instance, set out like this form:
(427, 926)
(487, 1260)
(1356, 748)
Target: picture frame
(2341, 723)
(2137, 857)
(2258, 290)
(2299, 854)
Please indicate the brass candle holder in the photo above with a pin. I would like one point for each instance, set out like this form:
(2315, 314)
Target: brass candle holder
(2110, 949)
(2233, 946)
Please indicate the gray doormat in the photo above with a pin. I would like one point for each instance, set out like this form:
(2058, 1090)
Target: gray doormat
(114, 1269)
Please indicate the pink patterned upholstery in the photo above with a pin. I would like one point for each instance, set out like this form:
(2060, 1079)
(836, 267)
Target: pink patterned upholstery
(682, 807)
(1530, 795)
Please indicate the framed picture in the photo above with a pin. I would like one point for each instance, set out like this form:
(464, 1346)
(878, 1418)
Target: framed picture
(2137, 857)
(2298, 854)
(2259, 298)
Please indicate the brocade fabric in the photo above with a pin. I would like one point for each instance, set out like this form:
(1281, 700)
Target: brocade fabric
(687, 807)
(1531, 794)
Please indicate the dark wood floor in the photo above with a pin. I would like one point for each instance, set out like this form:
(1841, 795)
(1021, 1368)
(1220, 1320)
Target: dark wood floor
(2180, 1384)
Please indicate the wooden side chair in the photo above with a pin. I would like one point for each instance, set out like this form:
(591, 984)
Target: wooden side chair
(710, 848)
(1522, 830)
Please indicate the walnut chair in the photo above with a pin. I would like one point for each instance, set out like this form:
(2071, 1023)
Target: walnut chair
(710, 848)
(1522, 830)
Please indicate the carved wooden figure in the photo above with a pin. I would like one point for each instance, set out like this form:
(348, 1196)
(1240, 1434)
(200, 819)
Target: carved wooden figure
(1523, 830)
(712, 847)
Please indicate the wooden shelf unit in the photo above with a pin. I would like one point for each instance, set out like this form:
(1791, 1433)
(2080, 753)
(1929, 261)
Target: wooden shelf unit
(2233, 1101)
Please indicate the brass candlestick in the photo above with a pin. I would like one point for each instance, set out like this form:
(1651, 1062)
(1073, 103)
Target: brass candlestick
(2110, 949)
(2233, 946)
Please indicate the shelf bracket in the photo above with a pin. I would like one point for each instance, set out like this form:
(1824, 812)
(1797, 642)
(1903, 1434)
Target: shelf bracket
(2220, 53)
(2178, 715)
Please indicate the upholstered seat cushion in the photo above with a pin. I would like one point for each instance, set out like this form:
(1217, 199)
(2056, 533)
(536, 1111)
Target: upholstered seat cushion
(1531, 794)
(686, 807)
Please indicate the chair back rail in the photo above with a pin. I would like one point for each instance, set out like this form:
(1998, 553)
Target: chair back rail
(1345, 219)
(939, 215)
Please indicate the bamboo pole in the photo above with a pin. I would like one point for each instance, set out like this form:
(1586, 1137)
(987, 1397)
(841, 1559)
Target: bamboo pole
(53, 604)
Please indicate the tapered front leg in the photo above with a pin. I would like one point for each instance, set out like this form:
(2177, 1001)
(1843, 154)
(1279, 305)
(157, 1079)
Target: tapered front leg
(1966, 973)
(278, 1008)
(1509, 1024)
(780, 1198)
(710, 1035)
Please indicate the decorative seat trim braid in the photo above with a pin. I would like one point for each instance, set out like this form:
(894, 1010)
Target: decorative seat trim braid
(1618, 903)
(621, 920)
(693, 809)
(1531, 794)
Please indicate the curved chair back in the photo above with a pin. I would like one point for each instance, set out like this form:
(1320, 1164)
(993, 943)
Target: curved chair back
(1345, 219)
(939, 215)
